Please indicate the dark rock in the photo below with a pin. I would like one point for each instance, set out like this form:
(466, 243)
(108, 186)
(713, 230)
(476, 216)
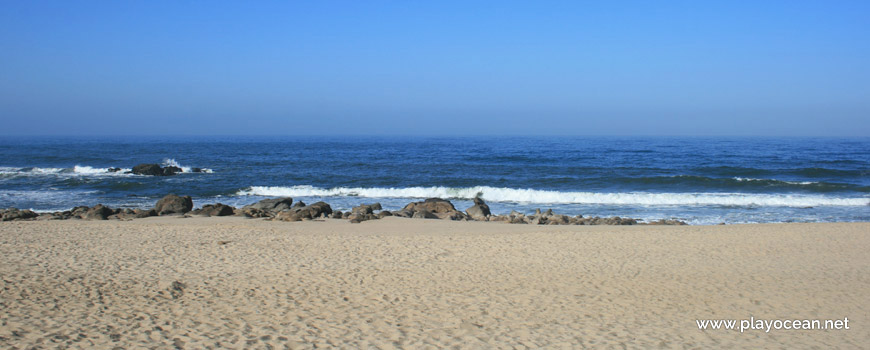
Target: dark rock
(384, 213)
(18, 214)
(196, 170)
(98, 212)
(403, 213)
(337, 214)
(308, 212)
(114, 170)
(366, 208)
(453, 215)
(252, 212)
(140, 213)
(424, 214)
(298, 204)
(171, 170)
(272, 205)
(215, 210)
(479, 211)
(173, 204)
(148, 169)
(433, 205)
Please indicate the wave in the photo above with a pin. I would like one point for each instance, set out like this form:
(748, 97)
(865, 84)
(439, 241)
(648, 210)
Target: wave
(184, 169)
(85, 170)
(500, 194)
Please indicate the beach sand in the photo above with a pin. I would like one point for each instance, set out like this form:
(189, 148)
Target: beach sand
(410, 283)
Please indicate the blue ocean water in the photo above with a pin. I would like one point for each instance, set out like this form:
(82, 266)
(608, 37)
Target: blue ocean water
(699, 180)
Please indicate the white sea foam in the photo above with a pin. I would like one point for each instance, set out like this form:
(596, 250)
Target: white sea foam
(499, 194)
(185, 169)
(87, 170)
(745, 179)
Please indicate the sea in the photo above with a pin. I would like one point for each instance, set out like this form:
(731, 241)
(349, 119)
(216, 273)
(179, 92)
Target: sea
(700, 180)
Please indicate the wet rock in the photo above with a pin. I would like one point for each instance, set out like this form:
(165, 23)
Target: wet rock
(148, 169)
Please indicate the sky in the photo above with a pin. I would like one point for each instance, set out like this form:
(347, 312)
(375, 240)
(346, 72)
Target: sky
(691, 68)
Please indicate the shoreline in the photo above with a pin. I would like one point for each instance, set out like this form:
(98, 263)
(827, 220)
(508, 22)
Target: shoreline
(393, 283)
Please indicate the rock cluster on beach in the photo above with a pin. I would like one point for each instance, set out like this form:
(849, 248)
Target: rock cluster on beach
(284, 209)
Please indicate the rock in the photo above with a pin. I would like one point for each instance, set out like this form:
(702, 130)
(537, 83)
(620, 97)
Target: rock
(499, 218)
(437, 207)
(215, 210)
(384, 213)
(424, 214)
(557, 219)
(148, 169)
(366, 208)
(433, 205)
(252, 213)
(272, 204)
(140, 213)
(18, 214)
(173, 204)
(362, 217)
(479, 211)
(171, 170)
(298, 204)
(454, 215)
(403, 213)
(196, 170)
(98, 212)
(337, 214)
(308, 212)
(667, 222)
(114, 170)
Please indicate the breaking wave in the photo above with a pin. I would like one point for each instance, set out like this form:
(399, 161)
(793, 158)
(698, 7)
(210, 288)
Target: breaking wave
(85, 170)
(500, 194)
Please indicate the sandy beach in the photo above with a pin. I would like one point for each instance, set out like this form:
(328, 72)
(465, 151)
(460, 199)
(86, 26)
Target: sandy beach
(230, 282)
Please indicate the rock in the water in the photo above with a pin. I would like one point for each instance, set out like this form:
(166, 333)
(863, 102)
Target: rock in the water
(171, 170)
(18, 214)
(215, 210)
(479, 211)
(173, 204)
(148, 169)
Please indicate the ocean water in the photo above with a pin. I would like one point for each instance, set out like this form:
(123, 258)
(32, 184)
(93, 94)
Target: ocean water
(699, 180)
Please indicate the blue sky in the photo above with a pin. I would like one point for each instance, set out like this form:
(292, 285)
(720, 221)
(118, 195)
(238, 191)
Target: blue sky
(790, 68)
